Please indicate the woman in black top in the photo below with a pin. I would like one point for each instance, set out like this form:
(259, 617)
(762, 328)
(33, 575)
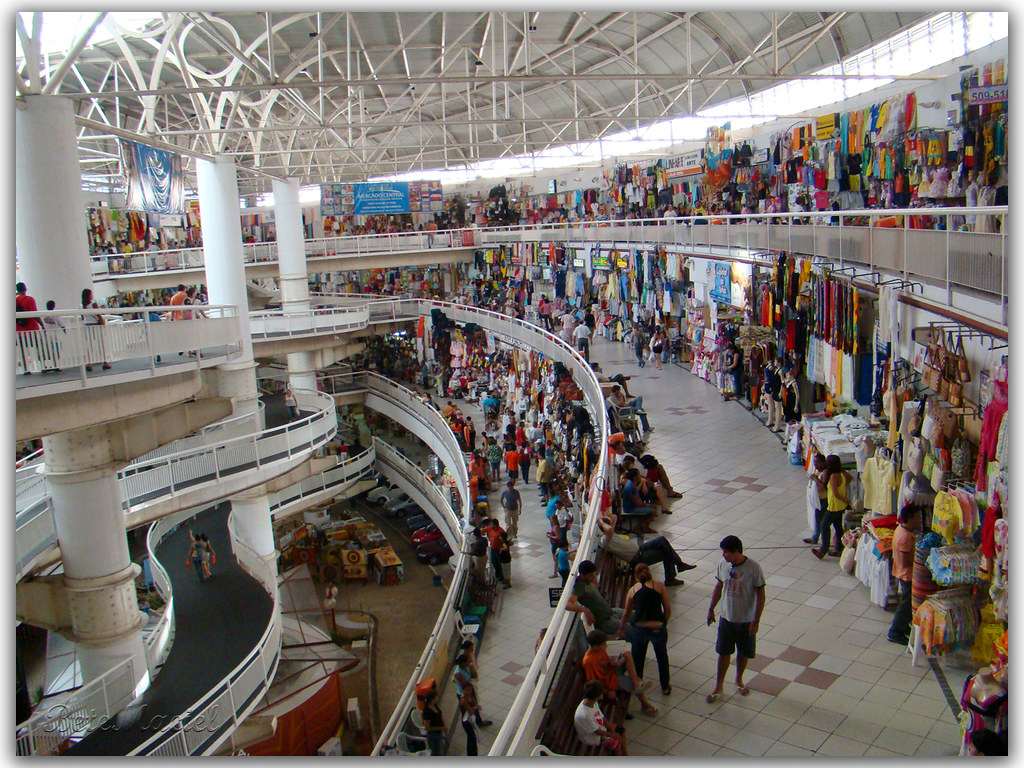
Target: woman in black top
(433, 721)
(648, 610)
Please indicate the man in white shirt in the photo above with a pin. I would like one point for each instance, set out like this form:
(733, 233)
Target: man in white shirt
(582, 338)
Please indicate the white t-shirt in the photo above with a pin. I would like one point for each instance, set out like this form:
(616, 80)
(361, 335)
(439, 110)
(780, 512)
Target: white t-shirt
(582, 331)
(739, 592)
(587, 721)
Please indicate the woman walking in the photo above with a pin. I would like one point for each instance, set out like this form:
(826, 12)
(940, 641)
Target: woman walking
(639, 344)
(657, 345)
(648, 610)
(208, 554)
(837, 503)
(94, 319)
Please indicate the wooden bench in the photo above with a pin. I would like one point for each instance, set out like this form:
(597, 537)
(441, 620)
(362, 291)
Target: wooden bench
(614, 578)
(557, 729)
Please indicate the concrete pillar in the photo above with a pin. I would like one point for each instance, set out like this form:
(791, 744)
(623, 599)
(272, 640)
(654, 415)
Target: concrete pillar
(222, 241)
(225, 275)
(251, 513)
(50, 229)
(291, 246)
(98, 573)
(293, 277)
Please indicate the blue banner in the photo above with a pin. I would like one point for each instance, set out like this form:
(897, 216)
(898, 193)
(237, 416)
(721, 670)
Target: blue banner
(154, 179)
(385, 197)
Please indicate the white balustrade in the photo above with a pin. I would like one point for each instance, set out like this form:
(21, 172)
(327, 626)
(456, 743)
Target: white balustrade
(309, 491)
(226, 701)
(76, 716)
(211, 336)
(275, 324)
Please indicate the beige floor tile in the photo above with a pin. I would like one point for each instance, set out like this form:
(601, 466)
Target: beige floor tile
(804, 736)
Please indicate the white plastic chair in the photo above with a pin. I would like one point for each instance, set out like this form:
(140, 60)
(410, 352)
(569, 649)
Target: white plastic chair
(416, 718)
(465, 630)
(406, 748)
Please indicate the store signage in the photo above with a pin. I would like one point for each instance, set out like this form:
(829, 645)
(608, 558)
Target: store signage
(381, 198)
(600, 260)
(722, 290)
(988, 94)
(760, 156)
(622, 263)
(554, 595)
(683, 165)
(578, 262)
(827, 127)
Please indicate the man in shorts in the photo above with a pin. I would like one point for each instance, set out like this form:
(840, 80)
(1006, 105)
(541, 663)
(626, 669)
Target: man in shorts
(740, 586)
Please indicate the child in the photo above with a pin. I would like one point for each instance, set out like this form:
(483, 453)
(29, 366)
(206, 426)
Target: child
(590, 724)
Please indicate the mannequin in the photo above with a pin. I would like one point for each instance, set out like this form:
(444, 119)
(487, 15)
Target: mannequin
(790, 397)
(971, 195)
(773, 391)
(987, 196)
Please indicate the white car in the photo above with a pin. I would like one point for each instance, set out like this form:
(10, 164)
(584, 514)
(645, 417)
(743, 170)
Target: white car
(376, 494)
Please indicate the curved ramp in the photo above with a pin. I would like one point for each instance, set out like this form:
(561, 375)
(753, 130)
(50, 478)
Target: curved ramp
(217, 624)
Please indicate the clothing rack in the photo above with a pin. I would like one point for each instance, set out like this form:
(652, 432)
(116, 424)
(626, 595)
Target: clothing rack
(902, 283)
(855, 275)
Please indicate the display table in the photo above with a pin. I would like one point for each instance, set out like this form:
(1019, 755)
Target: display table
(387, 568)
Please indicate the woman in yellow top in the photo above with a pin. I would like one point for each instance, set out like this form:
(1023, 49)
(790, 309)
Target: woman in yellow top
(836, 487)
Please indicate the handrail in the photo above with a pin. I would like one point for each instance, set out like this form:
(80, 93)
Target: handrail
(271, 324)
(233, 697)
(212, 333)
(349, 469)
(192, 467)
(388, 454)
(78, 715)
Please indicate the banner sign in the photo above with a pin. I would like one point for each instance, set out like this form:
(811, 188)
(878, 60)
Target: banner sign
(154, 179)
(824, 127)
(600, 260)
(989, 94)
(683, 165)
(760, 156)
(723, 282)
(378, 198)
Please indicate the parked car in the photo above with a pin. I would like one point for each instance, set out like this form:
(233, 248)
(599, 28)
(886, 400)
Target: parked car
(391, 495)
(428, 533)
(406, 509)
(416, 522)
(375, 494)
(396, 502)
(434, 552)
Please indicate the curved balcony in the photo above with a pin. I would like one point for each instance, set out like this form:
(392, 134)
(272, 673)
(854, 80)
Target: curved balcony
(326, 485)
(212, 466)
(423, 491)
(276, 324)
(183, 259)
(130, 346)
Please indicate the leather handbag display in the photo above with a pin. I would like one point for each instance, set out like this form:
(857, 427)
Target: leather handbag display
(962, 363)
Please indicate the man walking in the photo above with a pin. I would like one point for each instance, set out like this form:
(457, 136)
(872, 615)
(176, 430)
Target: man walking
(512, 503)
(741, 581)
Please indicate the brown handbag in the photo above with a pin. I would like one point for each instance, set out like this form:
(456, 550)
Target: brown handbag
(962, 364)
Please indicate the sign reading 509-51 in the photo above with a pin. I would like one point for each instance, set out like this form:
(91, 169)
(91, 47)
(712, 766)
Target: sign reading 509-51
(989, 94)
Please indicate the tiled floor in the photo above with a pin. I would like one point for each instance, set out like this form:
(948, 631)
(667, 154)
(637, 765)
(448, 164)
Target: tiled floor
(825, 682)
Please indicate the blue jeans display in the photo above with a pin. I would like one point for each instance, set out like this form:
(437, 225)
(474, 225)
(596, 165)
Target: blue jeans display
(642, 636)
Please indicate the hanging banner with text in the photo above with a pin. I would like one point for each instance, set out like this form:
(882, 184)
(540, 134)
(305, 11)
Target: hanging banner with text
(988, 94)
(381, 198)
(684, 165)
(154, 179)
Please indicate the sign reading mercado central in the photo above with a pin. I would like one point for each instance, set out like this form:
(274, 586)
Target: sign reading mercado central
(381, 198)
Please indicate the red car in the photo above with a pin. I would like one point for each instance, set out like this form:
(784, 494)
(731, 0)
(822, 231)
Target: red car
(434, 552)
(429, 533)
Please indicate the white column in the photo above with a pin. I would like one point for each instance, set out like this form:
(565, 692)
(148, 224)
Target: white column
(98, 573)
(222, 241)
(293, 277)
(252, 522)
(50, 228)
(291, 245)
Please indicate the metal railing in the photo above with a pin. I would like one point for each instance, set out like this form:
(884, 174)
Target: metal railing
(209, 721)
(80, 714)
(80, 342)
(202, 465)
(143, 480)
(274, 324)
(177, 259)
(313, 489)
(446, 518)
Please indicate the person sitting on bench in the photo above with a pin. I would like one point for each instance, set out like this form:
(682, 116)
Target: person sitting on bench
(615, 673)
(629, 550)
(633, 505)
(590, 724)
(650, 492)
(618, 399)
